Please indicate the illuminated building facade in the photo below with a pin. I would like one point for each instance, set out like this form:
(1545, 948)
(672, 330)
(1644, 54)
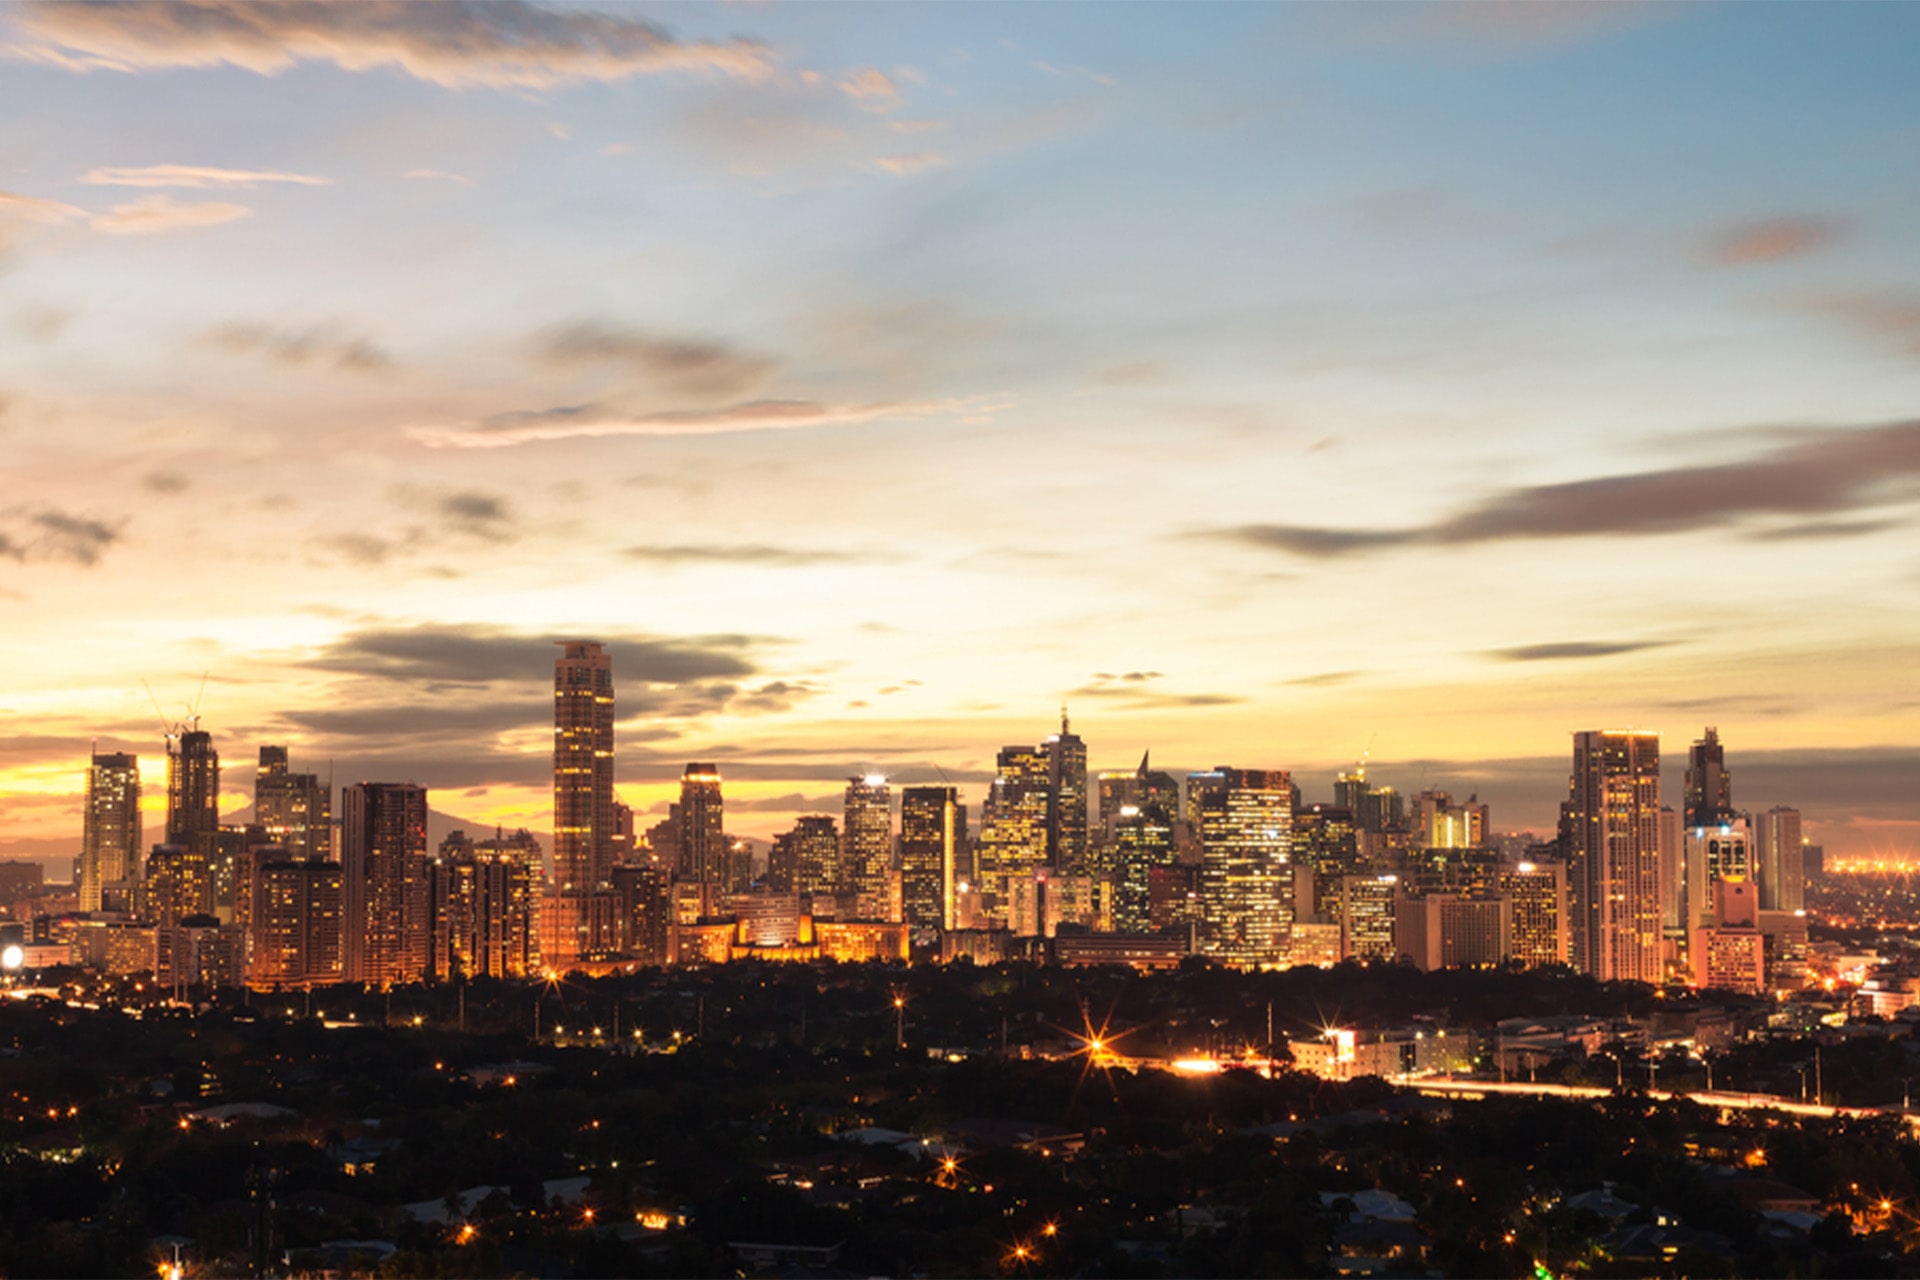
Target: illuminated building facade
(1453, 930)
(295, 810)
(866, 847)
(1142, 841)
(295, 931)
(1778, 860)
(1246, 880)
(1440, 823)
(646, 911)
(1367, 906)
(702, 821)
(1729, 953)
(1067, 807)
(1013, 825)
(384, 888)
(1713, 854)
(812, 847)
(1613, 822)
(932, 828)
(583, 817)
(111, 838)
(485, 908)
(1538, 895)
(193, 789)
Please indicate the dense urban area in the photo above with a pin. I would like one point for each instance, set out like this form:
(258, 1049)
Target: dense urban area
(1131, 1024)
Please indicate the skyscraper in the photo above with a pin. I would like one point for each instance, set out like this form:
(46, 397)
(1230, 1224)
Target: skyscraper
(930, 820)
(703, 841)
(1013, 825)
(193, 789)
(1709, 786)
(812, 848)
(294, 808)
(384, 882)
(1246, 880)
(1142, 841)
(1613, 818)
(1067, 814)
(583, 817)
(294, 929)
(111, 838)
(1780, 861)
(866, 846)
(1538, 893)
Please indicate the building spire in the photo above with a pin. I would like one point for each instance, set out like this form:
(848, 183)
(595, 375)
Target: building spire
(1064, 730)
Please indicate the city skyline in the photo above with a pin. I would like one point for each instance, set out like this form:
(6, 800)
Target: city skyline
(1278, 387)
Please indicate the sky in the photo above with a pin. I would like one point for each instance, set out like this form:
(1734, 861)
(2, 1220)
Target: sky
(1272, 385)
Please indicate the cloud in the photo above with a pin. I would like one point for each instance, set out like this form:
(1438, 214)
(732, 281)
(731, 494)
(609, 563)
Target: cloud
(871, 89)
(1322, 679)
(753, 554)
(771, 698)
(1772, 240)
(577, 421)
(165, 482)
(1077, 73)
(196, 176)
(1129, 692)
(314, 345)
(691, 367)
(452, 43)
(151, 215)
(1884, 316)
(34, 209)
(439, 175)
(913, 162)
(483, 655)
(1575, 649)
(483, 515)
(1811, 530)
(1816, 473)
(58, 537)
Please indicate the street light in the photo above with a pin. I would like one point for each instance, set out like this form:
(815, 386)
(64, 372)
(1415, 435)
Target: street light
(899, 1022)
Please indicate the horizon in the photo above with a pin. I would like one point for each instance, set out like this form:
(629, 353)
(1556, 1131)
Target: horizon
(1281, 386)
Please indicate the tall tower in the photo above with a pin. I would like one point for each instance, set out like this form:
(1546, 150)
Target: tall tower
(930, 835)
(1067, 815)
(1246, 879)
(1013, 826)
(1613, 818)
(582, 766)
(1709, 784)
(703, 843)
(866, 852)
(384, 891)
(1781, 860)
(110, 841)
(295, 808)
(193, 790)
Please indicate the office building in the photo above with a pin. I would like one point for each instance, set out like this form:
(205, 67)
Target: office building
(1441, 823)
(702, 823)
(294, 809)
(812, 848)
(1539, 932)
(485, 902)
(583, 815)
(1246, 879)
(1729, 950)
(866, 847)
(193, 789)
(932, 828)
(111, 835)
(295, 928)
(1779, 859)
(1142, 842)
(1013, 823)
(384, 882)
(1067, 811)
(1613, 829)
(1452, 930)
(1709, 785)
(1368, 905)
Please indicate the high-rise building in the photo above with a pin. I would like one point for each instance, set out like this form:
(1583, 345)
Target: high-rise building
(1453, 930)
(930, 834)
(1368, 905)
(703, 838)
(1246, 880)
(1440, 823)
(1709, 785)
(1780, 860)
(294, 928)
(384, 882)
(1067, 812)
(193, 788)
(1729, 950)
(295, 809)
(812, 848)
(111, 836)
(1013, 824)
(1142, 841)
(583, 816)
(1202, 786)
(1613, 819)
(1118, 789)
(866, 852)
(1538, 893)
(485, 909)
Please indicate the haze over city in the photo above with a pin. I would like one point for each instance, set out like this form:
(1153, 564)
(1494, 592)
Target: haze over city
(1275, 386)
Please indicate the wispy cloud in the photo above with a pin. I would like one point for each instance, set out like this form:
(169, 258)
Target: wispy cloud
(1772, 240)
(1077, 73)
(58, 537)
(871, 89)
(913, 162)
(749, 554)
(196, 176)
(1886, 317)
(439, 175)
(690, 366)
(1567, 649)
(151, 215)
(320, 344)
(35, 209)
(453, 43)
(1818, 473)
(594, 421)
(485, 655)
